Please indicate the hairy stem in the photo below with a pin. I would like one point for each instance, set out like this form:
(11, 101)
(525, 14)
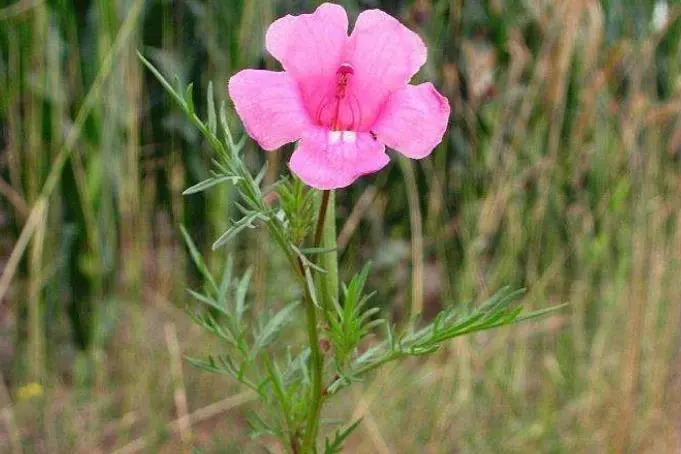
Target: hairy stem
(316, 360)
(321, 218)
(317, 364)
(327, 282)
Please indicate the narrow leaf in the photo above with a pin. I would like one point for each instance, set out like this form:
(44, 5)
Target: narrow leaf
(272, 327)
(335, 446)
(261, 175)
(225, 126)
(209, 302)
(318, 250)
(541, 312)
(169, 88)
(210, 182)
(240, 297)
(188, 98)
(197, 258)
(212, 120)
(244, 223)
(240, 144)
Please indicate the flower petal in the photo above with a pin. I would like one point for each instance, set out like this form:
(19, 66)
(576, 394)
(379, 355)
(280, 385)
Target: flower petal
(385, 55)
(328, 159)
(413, 120)
(310, 47)
(269, 105)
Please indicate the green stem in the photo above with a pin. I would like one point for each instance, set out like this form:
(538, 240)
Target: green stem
(327, 282)
(317, 364)
(323, 207)
(316, 360)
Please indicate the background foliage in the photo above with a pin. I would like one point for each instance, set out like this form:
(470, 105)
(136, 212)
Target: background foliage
(560, 173)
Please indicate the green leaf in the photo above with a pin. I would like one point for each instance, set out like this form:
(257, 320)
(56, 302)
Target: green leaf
(197, 258)
(261, 175)
(311, 289)
(240, 144)
(307, 263)
(210, 182)
(318, 250)
(266, 336)
(240, 295)
(421, 351)
(212, 120)
(187, 106)
(225, 129)
(349, 323)
(279, 389)
(188, 98)
(495, 312)
(226, 280)
(163, 81)
(209, 366)
(541, 312)
(336, 445)
(224, 365)
(244, 223)
(260, 428)
(209, 302)
(208, 322)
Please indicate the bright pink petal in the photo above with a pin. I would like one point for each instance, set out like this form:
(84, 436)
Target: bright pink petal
(328, 159)
(309, 43)
(385, 55)
(310, 47)
(413, 120)
(269, 105)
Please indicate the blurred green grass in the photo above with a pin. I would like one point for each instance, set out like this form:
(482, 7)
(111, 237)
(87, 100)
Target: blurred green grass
(560, 173)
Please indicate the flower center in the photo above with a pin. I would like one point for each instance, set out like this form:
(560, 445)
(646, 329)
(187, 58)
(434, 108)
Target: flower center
(339, 109)
(343, 75)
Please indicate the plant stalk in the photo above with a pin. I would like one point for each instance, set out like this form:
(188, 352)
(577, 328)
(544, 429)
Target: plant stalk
(323, 207)
(317, 365)
(321, 237)
(325, 237)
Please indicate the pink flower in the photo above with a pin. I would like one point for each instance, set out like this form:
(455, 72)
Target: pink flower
(343, 98)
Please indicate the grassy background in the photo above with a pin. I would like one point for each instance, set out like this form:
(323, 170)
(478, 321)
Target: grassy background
(560, 172)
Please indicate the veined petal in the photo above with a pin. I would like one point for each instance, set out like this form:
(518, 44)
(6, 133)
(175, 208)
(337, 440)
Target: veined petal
(385, 55)
(270, 106)
(413, 120)
(328, 159)
(310, 48)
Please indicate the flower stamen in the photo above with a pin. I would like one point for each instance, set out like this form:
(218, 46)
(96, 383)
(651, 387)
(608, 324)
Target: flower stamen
(339, 109)
(343, 75)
